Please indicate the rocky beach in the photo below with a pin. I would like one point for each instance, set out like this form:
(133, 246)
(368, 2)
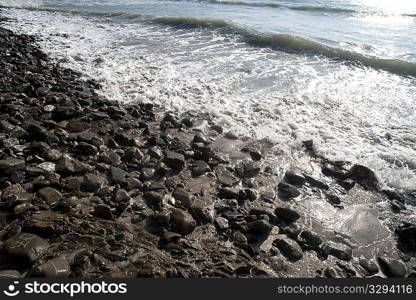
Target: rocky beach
(93, 188)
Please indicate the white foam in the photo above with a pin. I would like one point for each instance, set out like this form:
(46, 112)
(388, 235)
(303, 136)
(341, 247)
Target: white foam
(352, 113)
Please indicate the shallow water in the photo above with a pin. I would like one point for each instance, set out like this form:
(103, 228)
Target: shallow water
(339, 72)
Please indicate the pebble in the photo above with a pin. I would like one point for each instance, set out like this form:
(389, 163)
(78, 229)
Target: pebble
(295, 177)
(287, 191)
(184, 197)
(182, 222)
(174, 160)
(54, 268)
(289, 248)
(286, 213)
(392, 268)
(338, 250)
(25, 245)
(50, 195)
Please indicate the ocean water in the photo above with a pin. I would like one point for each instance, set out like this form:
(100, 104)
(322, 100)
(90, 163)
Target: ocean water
(340, 72)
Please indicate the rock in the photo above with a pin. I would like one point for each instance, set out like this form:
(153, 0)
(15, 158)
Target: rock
(93, 183)
(364, 176)
(200, 138)
(333, 199)
(406, 233)
(182, 222)
(263, 211)
(118, 176)
(25, 245)
(47, 166)
(171, 237)
(293, 230)
(295, 177)
(174, 160)
(133, 154)
(86, 149)
(268, 196)
(110, 157)
(103, 212)
(228, 193)
(147, 174)
(11, 165)
(338, 250)
(231, 136)
(121, 196)
(10, 192)
(155, 152)
(287, 191)
(221, 223)
(202, 213)
(286, 213)
(251, 194)
(247, 169)
(54, 268)
(316, 183)
(396, 206)
(392, 268)
(310, 238)
(10, 274)
(369, 266)
(154, 198)
(225, 177)
(199, 168)
(259, 227)
(289, 248)
(337, 173)
(185, 198)
(50, 195)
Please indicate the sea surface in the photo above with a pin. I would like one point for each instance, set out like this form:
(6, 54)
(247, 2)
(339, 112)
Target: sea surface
(340, 72)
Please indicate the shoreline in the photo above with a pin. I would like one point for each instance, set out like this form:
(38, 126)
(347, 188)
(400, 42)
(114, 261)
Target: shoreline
(100, 189)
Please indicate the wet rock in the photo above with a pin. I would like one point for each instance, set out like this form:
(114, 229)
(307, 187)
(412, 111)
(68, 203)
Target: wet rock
(154, 198)
(263, 211)
(333, 199)
(103, 212)
(392, 268)
(310, 238)
(54, 268)
(338, 250)
(251, 194)
(225, 177)
(133, 154)
(10, 192)
(174, 160)
(92, 182)
(247, 169)
(10, 274)
(171, 237)
(295, 177)
(185, 198)
(286, 213)
(10, 165)
(202, 213)
(121, 196)
(228, 193)
(147, 174)
(200, 138)
(364, 176)
(231, 136)
(316, 183)
(259, 227)
(155, 152)
(287, 191)
(199, 168)
(221, 223)
(289, 248)
(25, 245)
(337, 173)
(396, 206)
(182, 222)
(50, 195)
(118, 175)
(293, 230)
(369, 266)
(110, 157)
(86, 149)
(406, 233)
(268, 196)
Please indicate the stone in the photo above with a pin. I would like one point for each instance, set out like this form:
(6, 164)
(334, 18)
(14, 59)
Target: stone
(103, 212)
(289, 248)
(10, 192)
(118, 175)
(153, 198)
(121, 196)
(147, 174)
(26, 246)
(185, 198)
(316, 183)
(201, 212)
(174, 160)
(86, 149)
(182, 222)
(287, 191)
(54, 268)
(10, 274)
(286, 213)
(110, 157)
(259, 226)
(50, 195)
(295, 177)
(10, 165)
(337, 173)
(228, 193)
(225, 177)
(199, 168)
(338, 250)
(392, 268)
(251, 194)
(47, 167)
(247, 169)
(363, 175)
(171, 237)
(92, 182)
(263, 211)
(369, 266)
(221, 223)
(200, 138)
(310, 238)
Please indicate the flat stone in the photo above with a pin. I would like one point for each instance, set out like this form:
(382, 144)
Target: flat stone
(174, 160)
(392, 268)
(50, 195)
(184, 197)
(92, 182)
(289, 248)
(295, 177)
(199, 168)
(55, 268)
(25, 245)
(225, 177)
(338, 250)
(228, 193)
(118, 175)
(10, 165)
(286, 213)
(287, 191)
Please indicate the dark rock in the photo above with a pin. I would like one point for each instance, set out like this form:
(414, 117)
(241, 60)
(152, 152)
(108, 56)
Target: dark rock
(295, 177)
(286, 213)
(406, 233)
(251, 194)
(103, 212)
(287, 191)
(199, 168)
(174, 160)
(118, 175)
(221, 223)
(310, 238)
(171, 237)
(369, 266)
(231, 136)
(247, 169)
(293, 230)
(396, 206)
(182, 222)
(228, 193)
(364, 176)
(289, 248)
(263, 211)
(185, 198)
(10, 165)
(392, 268)
(338, 250)
(337, 173)
(93, 182)
(153, 198)
(50, 195)
(225, 177)
(25, 245)
(87, 149)
(10, 274)
(201, 212)
(268, 196)
(54, 268)
(121, 196)
(316, 183)
(147, 174)
(199, 138)
(259, 227)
